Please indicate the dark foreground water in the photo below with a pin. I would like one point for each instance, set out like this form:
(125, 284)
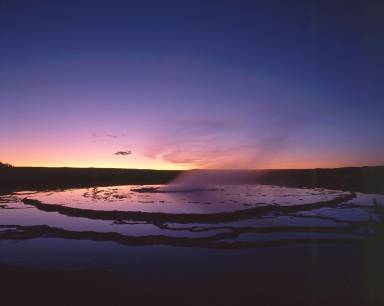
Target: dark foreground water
(224, 245)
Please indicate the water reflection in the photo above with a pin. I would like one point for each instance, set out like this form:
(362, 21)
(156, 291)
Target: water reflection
(213, 199)
(224, 217)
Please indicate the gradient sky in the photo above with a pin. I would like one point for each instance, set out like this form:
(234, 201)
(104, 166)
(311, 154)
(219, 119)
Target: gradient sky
(186, 84)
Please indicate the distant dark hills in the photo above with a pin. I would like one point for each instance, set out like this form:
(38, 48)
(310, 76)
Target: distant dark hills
(359, 179)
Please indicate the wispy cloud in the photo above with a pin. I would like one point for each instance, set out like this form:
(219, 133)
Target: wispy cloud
(112, 136)
(222, 142)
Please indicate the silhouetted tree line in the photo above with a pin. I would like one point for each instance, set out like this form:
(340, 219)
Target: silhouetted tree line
(5, 165)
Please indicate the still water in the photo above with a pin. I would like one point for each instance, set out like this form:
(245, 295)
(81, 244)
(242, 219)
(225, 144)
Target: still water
(142, 218)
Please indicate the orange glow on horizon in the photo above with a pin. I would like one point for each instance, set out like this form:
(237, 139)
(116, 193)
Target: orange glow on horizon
(156, 164)
(82, 154)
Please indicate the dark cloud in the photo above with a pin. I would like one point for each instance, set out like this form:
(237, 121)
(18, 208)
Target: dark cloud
(123, 152)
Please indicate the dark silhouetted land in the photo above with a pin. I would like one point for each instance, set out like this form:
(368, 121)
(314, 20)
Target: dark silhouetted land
(360, 179)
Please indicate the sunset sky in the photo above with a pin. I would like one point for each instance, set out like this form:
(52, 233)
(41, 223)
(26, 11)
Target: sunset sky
(192, 84)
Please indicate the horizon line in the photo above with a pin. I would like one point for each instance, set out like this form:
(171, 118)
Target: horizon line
(200, 169)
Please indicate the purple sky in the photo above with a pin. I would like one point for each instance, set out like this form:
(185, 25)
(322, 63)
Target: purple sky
(228, 85)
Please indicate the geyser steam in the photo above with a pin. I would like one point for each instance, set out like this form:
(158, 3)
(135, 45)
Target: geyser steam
(205, 180)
